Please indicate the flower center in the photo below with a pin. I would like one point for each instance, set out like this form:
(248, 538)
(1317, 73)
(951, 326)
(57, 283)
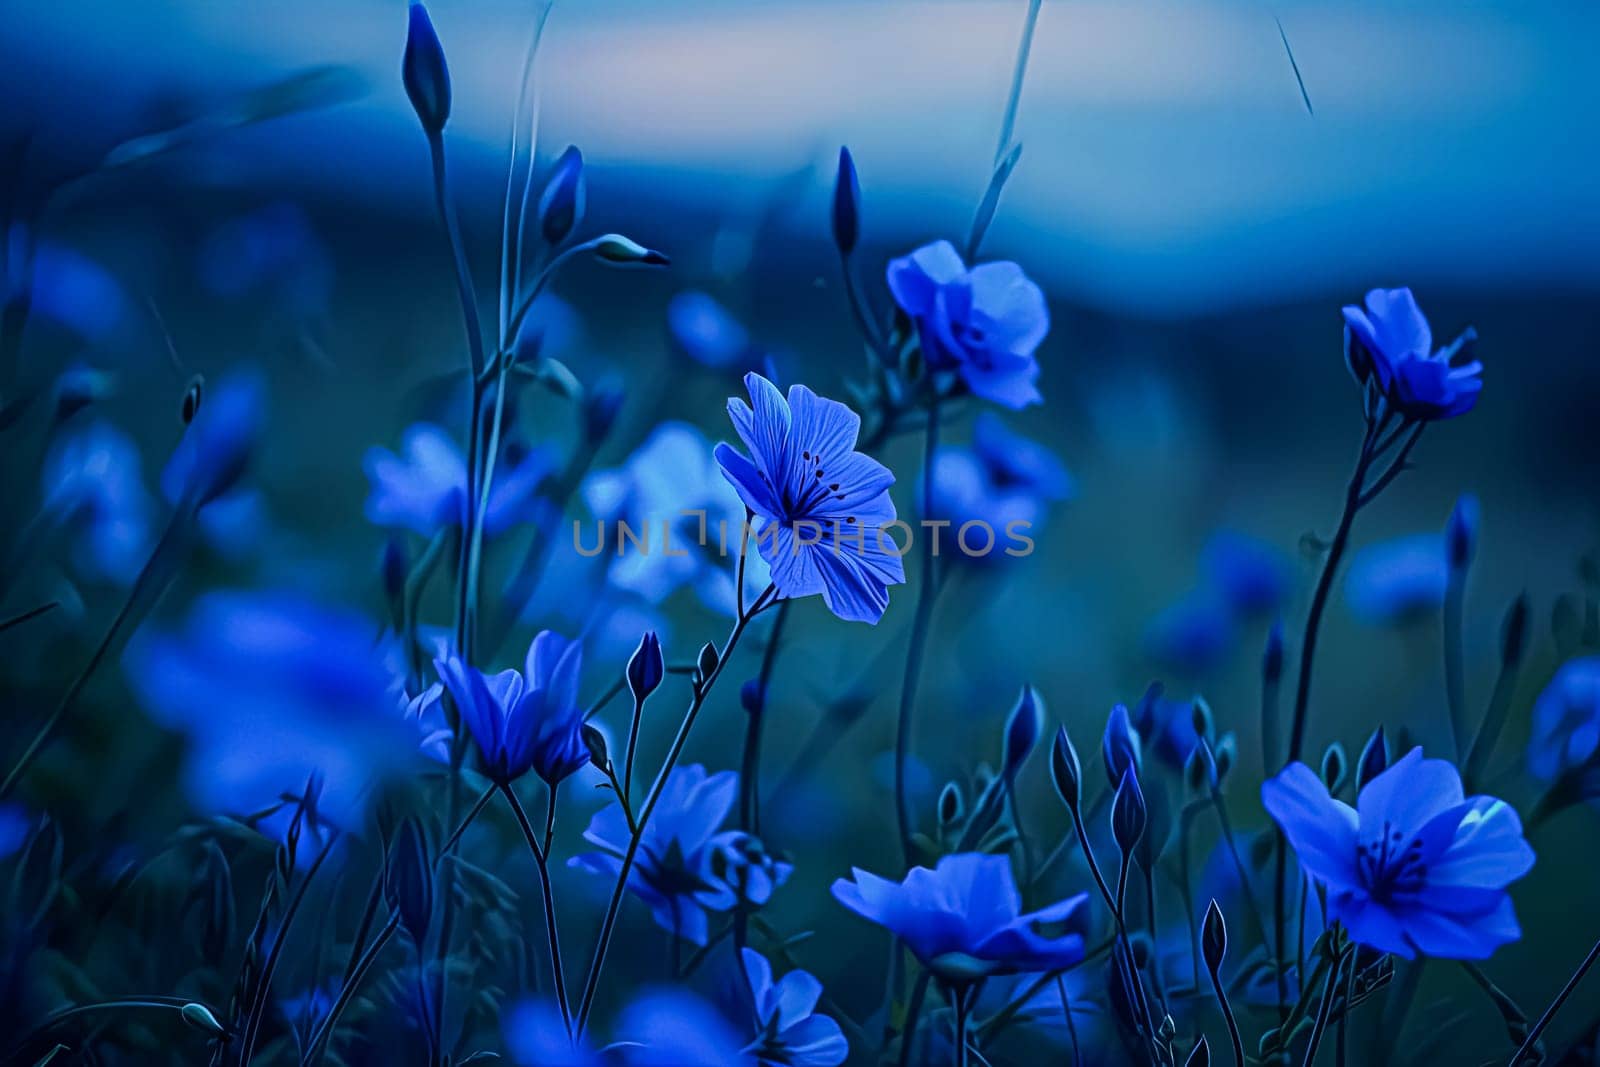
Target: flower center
(803, 495)
(1390, 866)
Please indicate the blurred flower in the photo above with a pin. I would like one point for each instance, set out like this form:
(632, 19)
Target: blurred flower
(673, 872)
(524, 721)
(675, 1028)
(807, 478)
(740, 870)
(274, 250)
(79, 386)
(217, 446)
(1194, 634)
(984, 323)
(1251, 574)
(1399, 580)
(1389, 341)
(93, 484)
(271, 689)
(792, 1035)
(14, 828)
(1461, 531)
(424, 489)
(1001, 480)
(425, 712)
(660, 492)
(73, 291)
(1566, 720)
(704, 331)
(1415, 867)
(536, 1036)
(963, 919)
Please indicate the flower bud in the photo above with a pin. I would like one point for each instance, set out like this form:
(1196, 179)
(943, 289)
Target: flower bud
(77, 388)
(1514, 632)
(1226, 755)
(623, 251)
(1200, 770)
(408, 879)
(595, 742)
(1374, 759)
(846, 204)
(706, 663)
(1272, 657)
(645, 667)
(1201, 1056)
(1461, 532)
(1128, 813)
(1200, 716)
(1334, 765)
(1022, 732)
(561, 203)
(1065, 770)
(753, 697)
(951, 805)
(426, 77)
(1214, 938)
(1119, 746)
(600, 410)
(200, 1017)
(192, 396)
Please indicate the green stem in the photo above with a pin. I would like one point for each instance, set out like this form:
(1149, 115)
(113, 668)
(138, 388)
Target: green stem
(926, 589)
(908, 1031)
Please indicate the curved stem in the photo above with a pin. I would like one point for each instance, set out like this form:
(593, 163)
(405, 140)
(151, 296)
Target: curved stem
(319, 1039)
(926, 589)
(269, 968)
(614, 906)
(1330, 989)
(750, 764)
(908, 1032)
(1549, 1015)
(1227, 1015)
(552, 931)
(959, 1004)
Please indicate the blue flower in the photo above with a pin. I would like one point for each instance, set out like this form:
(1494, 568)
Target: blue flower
(704, 331)
(536, 1036)
(791, 1033)
(217, 446)
(74, 291)
(821, 505)
(661, 493)
(1415, 867)
(1566, 720)
(1003, 480)
(1252, 575)
(963, 920)
(1399, 580)
(673, 872)
(984, 323)
(92, 482)
(524, 721)
(423, 490)
(675, 1028)
(275, 248)
(272, 688)
(1193, 634)
(1389, 342)
(15, 825)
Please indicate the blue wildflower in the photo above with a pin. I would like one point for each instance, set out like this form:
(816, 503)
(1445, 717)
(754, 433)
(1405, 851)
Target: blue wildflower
(675, 1028)
(1415, 867)
(1251, 574)
(821, 505)
(1389, 342)
(272, 688)
(15, 825)
(1193, 634)
(792, 1034)
(217, 446)
(983, 323)
(1399, 580)
(73, 291)
(274, 249)
(672, 493)
(1003, 480)
(528, 720)
(703, 330)
(963, 920)
(673, 872)
(425, 712)
(92, 483)
(424, 489)
(1566, 720)
(536, 1036)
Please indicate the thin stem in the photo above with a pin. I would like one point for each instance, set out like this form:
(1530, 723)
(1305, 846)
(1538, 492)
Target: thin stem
(270, 967)
(56, 1018)
(919, 639)
(472, 814)
(750, 765)
(1549, 1015)
(633, 745)
(1227, 1015)
(1494, 721)
(960, 1004)
(319, 1039)
(1454, 684)
(29, 615)
(702, 691)
(1072, 1027)
(458, 254)
(1019, 72)
(908, 1032)
(552, 932)
(1330, 989)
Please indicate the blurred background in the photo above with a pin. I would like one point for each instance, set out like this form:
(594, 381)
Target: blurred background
(210, 187)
